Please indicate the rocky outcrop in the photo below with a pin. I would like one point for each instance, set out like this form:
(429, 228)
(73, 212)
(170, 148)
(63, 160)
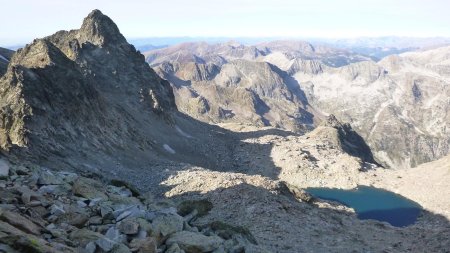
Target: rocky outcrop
(344, 137)
(239, 91)
(61, 67)
(399, 105)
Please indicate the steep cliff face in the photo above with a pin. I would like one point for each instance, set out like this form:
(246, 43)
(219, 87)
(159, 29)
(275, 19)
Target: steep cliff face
(239, 91)
(400, 105)
(88, 97)
(55, 83)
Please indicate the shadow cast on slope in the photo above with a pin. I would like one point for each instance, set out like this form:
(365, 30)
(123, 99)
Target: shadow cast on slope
(355, 145)
(299, 95)
(239, 156)
(282, 224)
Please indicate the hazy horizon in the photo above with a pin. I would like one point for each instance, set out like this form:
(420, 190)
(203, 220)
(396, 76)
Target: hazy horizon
(232, 19)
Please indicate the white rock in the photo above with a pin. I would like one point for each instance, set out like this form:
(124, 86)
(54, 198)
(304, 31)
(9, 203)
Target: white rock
(4, 169)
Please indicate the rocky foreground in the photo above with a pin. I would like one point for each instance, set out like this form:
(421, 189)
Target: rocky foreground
(44, 211)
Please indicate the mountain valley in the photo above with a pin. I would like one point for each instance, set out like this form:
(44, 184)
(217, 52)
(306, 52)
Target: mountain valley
(285, 87)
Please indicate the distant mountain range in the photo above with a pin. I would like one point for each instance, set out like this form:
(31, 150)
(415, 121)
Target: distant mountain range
(399, 105)
(376, 47)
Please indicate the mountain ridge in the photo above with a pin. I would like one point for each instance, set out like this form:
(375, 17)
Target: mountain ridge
(79, 96)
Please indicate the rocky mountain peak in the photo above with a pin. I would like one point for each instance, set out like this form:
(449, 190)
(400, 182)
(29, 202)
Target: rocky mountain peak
(344, 135)
(39, 54)
(67, 85)
(331, 121)
(99, 29)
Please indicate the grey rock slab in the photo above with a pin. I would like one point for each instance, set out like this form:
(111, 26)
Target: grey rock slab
(147, 245)
(90, 247)
(123, 215)
(128, 227)
(192, 242)
(89, 188)
(129, 212)
(4, 169)
(20, 222)
(84, 236)
(28, 195)
(167, 224)
(120, 248)
(57, 210)
(81, 203)
(106, 244)
(95, 220)
(122, 191)
(106, 212)
(111, 239)
(94, 202)
(174, 248)
(46, 177)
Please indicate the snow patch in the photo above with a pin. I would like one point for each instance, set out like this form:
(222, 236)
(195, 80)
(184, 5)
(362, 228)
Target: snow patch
(169, 149)
(377, 115)
(3, 58)
(382, 107)
(182, 132)
(418, 130)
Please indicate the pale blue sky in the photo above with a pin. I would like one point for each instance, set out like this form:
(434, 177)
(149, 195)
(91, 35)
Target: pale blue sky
(23, 20)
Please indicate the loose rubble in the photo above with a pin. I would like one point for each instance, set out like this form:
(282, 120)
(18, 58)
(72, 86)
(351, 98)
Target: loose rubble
(46, 211)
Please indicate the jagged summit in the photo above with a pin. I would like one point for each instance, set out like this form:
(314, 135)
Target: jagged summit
(88, 97)
(38, 55)
(100, 29)
(331, 121)
(343, 135)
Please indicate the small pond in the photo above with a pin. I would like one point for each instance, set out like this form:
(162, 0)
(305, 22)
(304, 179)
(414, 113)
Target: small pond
(373, 203)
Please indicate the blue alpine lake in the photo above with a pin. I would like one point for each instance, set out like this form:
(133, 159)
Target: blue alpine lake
(373, 203)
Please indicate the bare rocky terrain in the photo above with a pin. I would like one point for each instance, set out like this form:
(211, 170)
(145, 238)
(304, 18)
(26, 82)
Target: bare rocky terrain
(251, 197)
(402, 101)
(399, 105)
(96, 157)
